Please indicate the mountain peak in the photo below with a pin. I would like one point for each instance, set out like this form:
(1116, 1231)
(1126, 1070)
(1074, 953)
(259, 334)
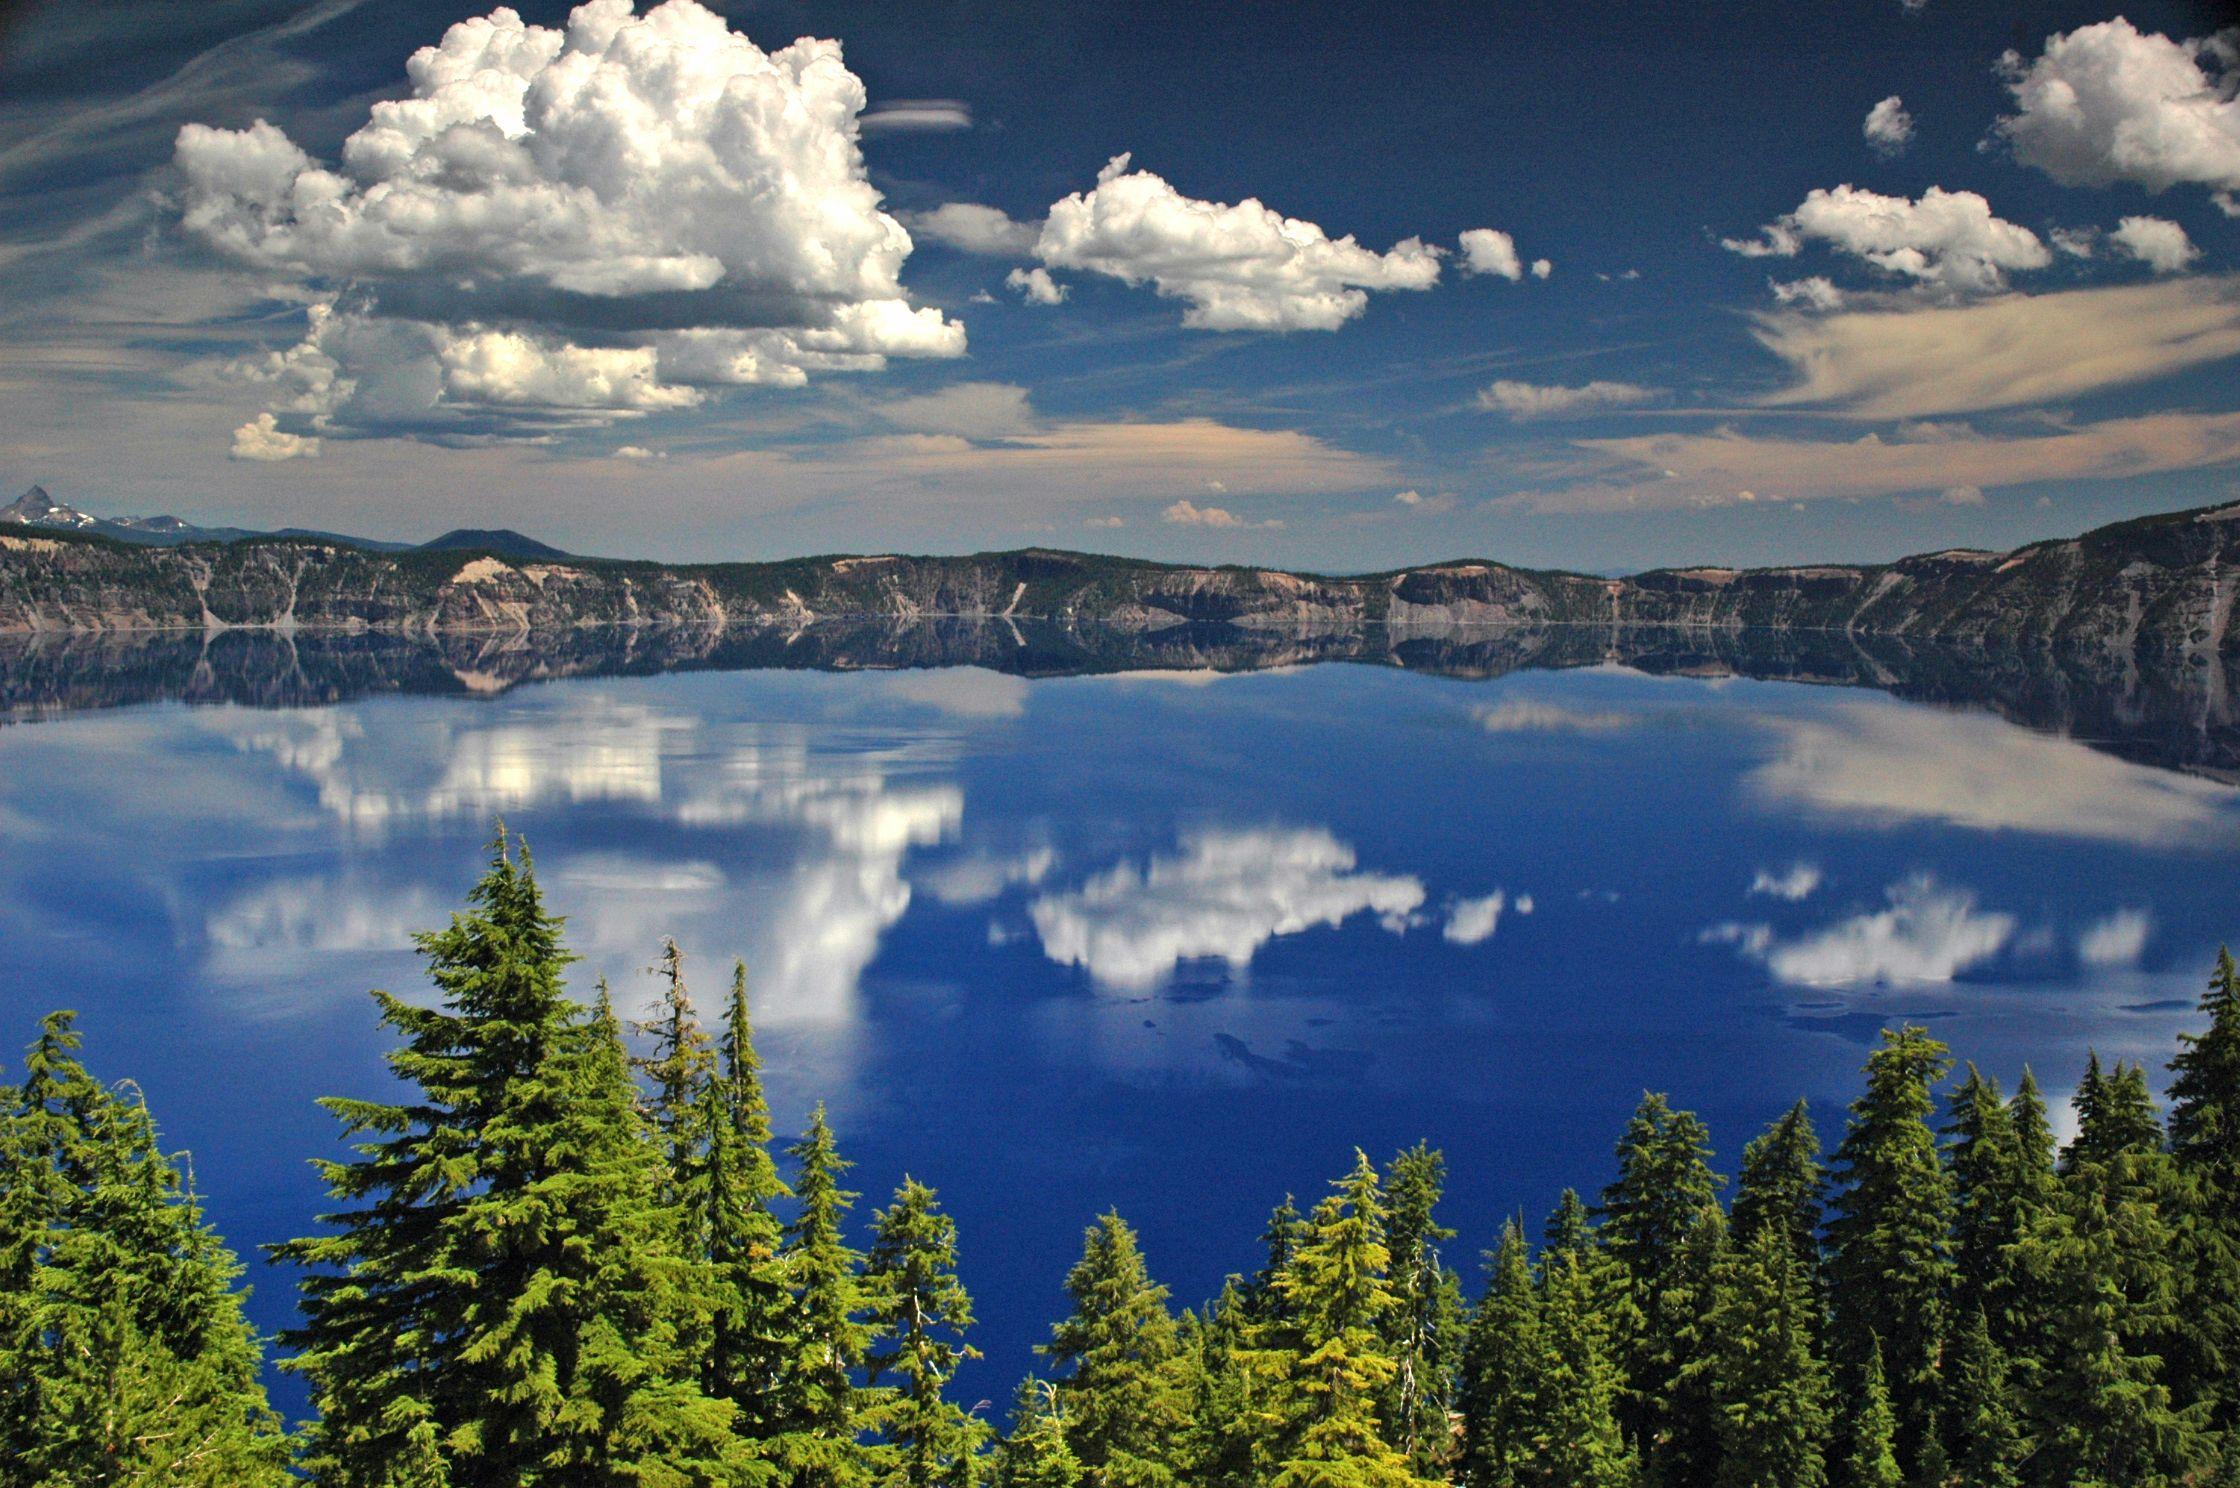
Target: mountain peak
(503, 541)
(36, 506)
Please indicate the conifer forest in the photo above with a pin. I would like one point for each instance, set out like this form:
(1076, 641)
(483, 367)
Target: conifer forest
(572, 1250)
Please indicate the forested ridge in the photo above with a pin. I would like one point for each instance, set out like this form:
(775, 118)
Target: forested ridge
(571, 1252)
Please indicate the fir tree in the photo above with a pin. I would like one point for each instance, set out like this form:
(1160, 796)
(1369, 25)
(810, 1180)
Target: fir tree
(920, 1313)
(1569, 1230)
(1424, 1330)
(1779, 1187)
(1499, 1366)
(1982, 1434)
(751, 1346)
(1119, 1349)
(682, 1061)
(823, 1406)
(503, 1280)
(1874, 1448)
(1890, 1266)
(1338, 1289)
(1768, 1387)
(1036, 1454)
(2205, 1142)
(1575, 1436)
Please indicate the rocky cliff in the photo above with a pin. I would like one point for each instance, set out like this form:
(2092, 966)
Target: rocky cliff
(2157, 591)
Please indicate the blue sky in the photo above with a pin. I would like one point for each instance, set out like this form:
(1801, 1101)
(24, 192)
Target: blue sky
(1591, 286)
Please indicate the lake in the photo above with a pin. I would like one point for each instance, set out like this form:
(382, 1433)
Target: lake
(1170, 939)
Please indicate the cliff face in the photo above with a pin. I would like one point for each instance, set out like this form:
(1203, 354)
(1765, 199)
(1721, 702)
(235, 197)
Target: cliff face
(2156, 591)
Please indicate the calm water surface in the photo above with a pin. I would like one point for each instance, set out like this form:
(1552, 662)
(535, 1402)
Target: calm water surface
(1171, 943)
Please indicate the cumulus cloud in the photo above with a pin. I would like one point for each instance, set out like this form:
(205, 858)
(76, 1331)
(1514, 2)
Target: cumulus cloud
(1526, 716)
(2005, 353)
(1240, 268)
(2109, 102)
(1186, 513)
(1815, 292)
(1036, 285)
(1530, 400)
(1889, 128)
(1487, 250)
(2159, 244)
(1225, 894)
(1473, 921)
(1793, 883)
(1925, 933)
(972, 228)
(1962, 496)
(1947, 240)
(571, 225)
(262, 438)
(2117, 940)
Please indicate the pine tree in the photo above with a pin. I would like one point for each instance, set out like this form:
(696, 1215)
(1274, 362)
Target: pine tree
(503, 1280)
(1874, 1450)
(1036, 1454)
(1424, 1331)
(1118, 1347)
(1890, 1266)
(127, 1359)
(823, 1409)
(1577, 1383)
(1498, 1369)
(1569, 1229)
(1768, 1387)
(2205, 1143)
(1681, 1347)
(920, 1313)
(750, 1343)
(1983, 1437)
(682, 1061)
(1337, 1286)
(1779, 1187)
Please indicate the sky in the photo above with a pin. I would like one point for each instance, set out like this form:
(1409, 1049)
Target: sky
(1333, 287)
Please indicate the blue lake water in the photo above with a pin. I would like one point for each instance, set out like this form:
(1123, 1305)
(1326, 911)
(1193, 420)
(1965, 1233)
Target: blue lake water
(1168, 942)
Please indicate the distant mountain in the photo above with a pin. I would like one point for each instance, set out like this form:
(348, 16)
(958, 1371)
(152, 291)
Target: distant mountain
(503, 541)
(36, 508)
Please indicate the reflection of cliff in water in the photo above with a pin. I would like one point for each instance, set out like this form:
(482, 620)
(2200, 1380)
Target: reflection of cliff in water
(2180, 716)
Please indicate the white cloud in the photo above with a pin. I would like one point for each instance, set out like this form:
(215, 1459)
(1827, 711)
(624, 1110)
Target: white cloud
(1224, 895)
(1487, 250)
(2161, 245)
(571, 225)
(263, 439)
(1528, 400)
(2117, 940)
(1793, 883)
(1408, 498)
(2108, 103)
(1946, 240)
(1962, 496)
(1927, 933)
(966, 692)
(1889, 128)
(1472, 921)
(916, 116)
(638, 452)
(1525, 716)
(1816, 292)
(1107, 523)
(979, 879)
(972, 228)
(1186, 513)
(1241, 267)
(1036, 285)
(1542, 268)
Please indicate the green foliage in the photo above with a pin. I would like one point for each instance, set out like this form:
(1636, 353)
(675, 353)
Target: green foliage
(1983, 1439)
(920, 1312)
(1780, 1187)
(1424, 1330)
(1768, 1387)
(1500, 1367)
(1890, 1264)
(1037, 1454)
(2205, 1142)
(1122, 1388)
(1874, 1449)
(1575, 1437)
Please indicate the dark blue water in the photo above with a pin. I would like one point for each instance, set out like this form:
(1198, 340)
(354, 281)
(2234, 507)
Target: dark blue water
(1172, 944)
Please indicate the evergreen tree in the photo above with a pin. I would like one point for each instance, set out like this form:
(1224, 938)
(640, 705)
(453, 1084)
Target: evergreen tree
(682, 1061)
(1337, 1286)
(2205, 1142)
(1569, 1230)
(1577, 1383)
(1890, 1266)
(1036, 1454)
(1768, 1387)
(1122, 1403)
(1424, 1332)
(920, 1312)
(1983, 1436)
(504, 1283)
(1779, 1187)
(1874, 1449)
(127, 1360)
(823, 1407)
(751, 1345)
(1499, 1367)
